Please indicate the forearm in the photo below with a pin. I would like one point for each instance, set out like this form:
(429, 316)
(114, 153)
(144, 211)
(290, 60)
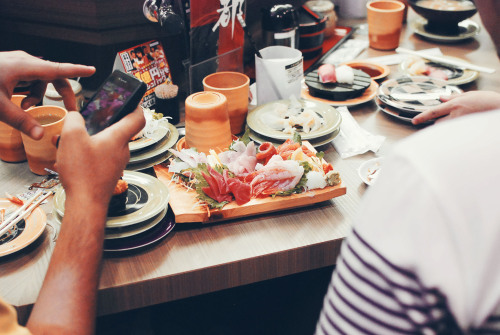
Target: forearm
(67, 300)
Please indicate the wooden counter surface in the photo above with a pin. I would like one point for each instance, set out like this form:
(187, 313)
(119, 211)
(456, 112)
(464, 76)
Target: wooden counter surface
(196, 259)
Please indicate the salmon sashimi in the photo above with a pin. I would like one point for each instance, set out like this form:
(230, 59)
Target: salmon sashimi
(266, 151)
(286, 149)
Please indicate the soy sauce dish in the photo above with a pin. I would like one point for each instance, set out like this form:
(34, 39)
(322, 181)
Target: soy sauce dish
(376, 71)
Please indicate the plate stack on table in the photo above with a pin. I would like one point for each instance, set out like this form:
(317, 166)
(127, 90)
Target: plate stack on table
(146, 152)
(145, 220)
(406, 97)
(264, 123)
(25, 232)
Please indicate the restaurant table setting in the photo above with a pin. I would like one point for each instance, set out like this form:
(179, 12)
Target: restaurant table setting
(355, 135)
(145, 219)
(152, 149)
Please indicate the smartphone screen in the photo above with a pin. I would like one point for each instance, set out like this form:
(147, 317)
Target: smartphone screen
(118, 95)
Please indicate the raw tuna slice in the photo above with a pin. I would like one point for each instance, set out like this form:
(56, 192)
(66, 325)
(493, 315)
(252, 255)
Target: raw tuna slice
(327, 73)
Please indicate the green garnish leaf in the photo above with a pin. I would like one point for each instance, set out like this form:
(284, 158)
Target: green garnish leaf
(201, 183)
(297, 138)
(320, 154)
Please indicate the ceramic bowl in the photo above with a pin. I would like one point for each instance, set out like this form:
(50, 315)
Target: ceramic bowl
(439, 17)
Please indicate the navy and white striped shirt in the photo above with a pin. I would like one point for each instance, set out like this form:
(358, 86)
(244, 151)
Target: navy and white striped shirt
(424, 253)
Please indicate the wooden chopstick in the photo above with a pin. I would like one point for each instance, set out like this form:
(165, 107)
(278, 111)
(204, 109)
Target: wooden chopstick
(24, 213)
(20, 209)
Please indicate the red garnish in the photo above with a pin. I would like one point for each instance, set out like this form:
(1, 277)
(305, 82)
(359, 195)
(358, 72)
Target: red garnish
(14, 200)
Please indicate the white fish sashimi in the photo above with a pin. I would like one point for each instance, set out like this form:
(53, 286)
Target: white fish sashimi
(190, 156)
(315, 180)
(345, 75)
(241, 160)
(273, 121)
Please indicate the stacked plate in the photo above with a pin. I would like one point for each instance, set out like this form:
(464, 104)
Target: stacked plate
(261, 131)
(406, 97)
(148, 151)
(145, 220)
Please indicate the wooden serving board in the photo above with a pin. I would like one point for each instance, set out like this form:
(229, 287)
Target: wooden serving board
(184, 202)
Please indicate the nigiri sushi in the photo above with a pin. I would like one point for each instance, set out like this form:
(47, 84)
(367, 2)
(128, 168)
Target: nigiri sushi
(327, 74)
(345, 75)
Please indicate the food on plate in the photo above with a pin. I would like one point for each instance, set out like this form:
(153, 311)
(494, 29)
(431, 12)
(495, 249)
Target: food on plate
(292, 117)
(328, 74)
(244, 171)
(451, 5)
(14, 199)
(153, 121)
(373, 173)
(419, 67)
(337, 83)
(118, 201)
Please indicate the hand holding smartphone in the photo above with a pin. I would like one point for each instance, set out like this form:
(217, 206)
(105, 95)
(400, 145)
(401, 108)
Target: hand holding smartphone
(118, 96)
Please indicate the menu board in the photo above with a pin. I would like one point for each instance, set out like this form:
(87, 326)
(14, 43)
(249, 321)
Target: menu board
(148, 63)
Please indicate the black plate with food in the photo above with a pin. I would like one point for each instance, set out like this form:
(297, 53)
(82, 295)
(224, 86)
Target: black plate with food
(338, 91)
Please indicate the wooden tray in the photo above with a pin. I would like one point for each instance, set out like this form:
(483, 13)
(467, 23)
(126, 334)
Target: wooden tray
(184, 203)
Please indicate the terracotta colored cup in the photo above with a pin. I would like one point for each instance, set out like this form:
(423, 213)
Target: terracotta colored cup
(385, 19)
(11, 144)
(207, 122)
(42, 153)
(235, 86)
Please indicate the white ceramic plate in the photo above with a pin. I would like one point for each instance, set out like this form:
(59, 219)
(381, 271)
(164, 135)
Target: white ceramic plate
(455, 76)
(398, 114)
(315, 143)
(329, 114)
(146, 198)
(414, 94)
(157, 135)
(467, 29)
(25, 233)
(156, 150)
(368, 171)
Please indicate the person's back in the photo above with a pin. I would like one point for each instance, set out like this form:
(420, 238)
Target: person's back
(423, 255)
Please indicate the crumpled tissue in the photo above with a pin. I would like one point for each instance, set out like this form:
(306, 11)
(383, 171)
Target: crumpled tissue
(353, 140)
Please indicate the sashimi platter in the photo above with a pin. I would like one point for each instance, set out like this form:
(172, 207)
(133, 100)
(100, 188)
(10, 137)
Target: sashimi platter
(247, 179)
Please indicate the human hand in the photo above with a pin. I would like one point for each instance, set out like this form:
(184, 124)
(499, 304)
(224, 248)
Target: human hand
(459, 105)
(18, 66)
(90, 166)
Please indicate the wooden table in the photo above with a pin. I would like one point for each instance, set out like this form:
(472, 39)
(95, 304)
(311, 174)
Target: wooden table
(195, 260)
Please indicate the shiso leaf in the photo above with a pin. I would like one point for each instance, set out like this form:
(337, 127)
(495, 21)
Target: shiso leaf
(212, 203)
(297, 138)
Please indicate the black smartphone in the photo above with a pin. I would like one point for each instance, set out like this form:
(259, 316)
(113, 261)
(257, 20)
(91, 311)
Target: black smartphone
(118, 96)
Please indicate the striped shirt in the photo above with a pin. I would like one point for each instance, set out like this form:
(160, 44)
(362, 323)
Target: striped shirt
(424, 253)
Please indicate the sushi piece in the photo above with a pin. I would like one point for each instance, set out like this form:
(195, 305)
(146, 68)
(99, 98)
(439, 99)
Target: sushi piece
(327, 74)
(345, 75)
(119, 199)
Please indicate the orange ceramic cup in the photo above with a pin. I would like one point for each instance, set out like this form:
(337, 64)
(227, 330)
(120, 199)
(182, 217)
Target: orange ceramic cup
(207, 122)
(41, 154)
(385, 19)
(235, 86)
(11, 144)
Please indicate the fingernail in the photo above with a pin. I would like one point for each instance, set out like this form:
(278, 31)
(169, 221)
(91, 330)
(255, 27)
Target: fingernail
(36, 132)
